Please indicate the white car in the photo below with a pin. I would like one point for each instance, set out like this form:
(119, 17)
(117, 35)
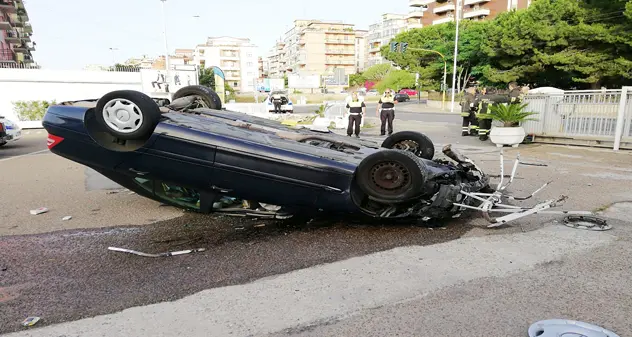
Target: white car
(9, 131)
(286, 106)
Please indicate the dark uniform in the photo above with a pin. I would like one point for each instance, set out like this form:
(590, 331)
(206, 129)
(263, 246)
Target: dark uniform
(387, 113)
(515, 96)
(277, 101)
(484, 122)
(355, 117)
(468, 112)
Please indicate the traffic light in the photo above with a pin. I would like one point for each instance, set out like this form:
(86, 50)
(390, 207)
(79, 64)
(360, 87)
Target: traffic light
(404, 46)
(394, 46)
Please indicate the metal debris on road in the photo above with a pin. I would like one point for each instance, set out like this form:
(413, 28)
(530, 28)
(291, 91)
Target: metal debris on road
(260, 225)
(587, 222)
(135, 252)
(532, 164)
(66, 218)
(564, 327)
(39, 211)
(30, 321)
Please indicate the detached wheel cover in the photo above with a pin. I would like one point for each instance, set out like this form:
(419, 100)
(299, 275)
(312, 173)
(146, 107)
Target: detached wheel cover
(122, 115)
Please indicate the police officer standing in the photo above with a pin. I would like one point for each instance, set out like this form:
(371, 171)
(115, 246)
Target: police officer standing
(357, 108)
(277, 101)
(484, 122)
(468, 112)
(386, 111)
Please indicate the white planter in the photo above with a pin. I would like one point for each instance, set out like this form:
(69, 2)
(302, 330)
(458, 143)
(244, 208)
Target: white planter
(502, 136)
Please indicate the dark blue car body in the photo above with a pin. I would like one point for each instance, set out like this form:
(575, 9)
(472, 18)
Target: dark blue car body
(211, 157)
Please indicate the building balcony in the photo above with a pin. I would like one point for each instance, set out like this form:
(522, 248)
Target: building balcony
(28, 28)
(419, 3)
(24, 47)
(340, 41)
(22, 13)
(476, 13)
(12, 36)
(339, 61)
(415, 25)
(444, 8)
(16, 20)
(232, 77)
(5, 24)
(230, 67)
(229, 57)
(443, 20)
(474, 2)
(415, 14)
(8, 6)
(340, 52)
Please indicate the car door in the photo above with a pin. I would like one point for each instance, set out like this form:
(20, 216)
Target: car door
(179, 155)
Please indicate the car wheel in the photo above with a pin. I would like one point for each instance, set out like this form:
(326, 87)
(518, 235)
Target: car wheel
(3, 144)
(391, 176)
(206, 97)
(127, 114)
(415, 142)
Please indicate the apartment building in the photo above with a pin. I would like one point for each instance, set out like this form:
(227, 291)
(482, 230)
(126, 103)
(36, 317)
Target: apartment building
(441, 11)
(314, 47)
(381, 33)
(15, 34)
(361, 50)
(264, 67)
(416, 13)
(237, 57)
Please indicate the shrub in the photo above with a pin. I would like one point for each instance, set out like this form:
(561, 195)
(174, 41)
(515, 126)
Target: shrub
(31, 110)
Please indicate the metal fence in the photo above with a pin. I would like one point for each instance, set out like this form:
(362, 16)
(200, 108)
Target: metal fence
(597, 115)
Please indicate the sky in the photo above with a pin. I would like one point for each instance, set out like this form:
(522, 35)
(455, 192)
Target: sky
(71, 34)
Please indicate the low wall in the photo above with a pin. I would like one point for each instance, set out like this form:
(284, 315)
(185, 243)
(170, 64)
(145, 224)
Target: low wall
(58, 85)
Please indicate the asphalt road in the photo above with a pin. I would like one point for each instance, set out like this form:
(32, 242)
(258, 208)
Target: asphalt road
(32, 141)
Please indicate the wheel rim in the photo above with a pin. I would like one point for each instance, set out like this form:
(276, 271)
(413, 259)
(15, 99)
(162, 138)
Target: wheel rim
(122, 115)
(390, 177)
(407, 145)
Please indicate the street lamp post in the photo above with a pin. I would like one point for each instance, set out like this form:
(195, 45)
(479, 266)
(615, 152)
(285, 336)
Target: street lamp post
(164, 18)
(456, 51)
(113, 58)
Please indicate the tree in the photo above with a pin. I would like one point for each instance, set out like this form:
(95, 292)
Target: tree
(440, 38)
(207, 77)
(562, 43)
(377, 72)
(356, 80)
(396, 80)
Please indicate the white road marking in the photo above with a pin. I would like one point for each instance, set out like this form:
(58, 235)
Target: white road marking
(24, 155)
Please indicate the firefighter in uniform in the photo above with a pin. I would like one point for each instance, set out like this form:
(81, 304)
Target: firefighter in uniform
(357, 108)
(468, 112)
(277, 100)
(484, 122)
(386, 111)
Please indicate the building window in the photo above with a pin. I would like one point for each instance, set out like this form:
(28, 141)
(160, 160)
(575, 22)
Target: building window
(235, 84)
(250, 64)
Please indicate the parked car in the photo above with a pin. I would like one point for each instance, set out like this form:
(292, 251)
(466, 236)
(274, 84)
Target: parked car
(9, 131)
(286, 106)
(409, 92)
(210, 160)
(402, 97)
(372, 92)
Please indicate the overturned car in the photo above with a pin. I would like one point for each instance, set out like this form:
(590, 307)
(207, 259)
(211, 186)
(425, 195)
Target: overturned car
(210, 160)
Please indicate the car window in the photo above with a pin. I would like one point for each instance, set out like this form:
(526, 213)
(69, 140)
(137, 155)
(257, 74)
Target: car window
(183, 196)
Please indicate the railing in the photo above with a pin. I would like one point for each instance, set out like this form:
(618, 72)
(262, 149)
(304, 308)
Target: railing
(599, 115)
(18, 66)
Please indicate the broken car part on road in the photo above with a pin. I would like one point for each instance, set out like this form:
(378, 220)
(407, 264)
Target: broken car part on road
(195, 158)
(166, 254)
(567, 328)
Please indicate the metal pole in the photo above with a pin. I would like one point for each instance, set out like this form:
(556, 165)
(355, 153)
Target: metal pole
(620, 118)
(164, 18)
(456, 51)
(445, 75)
(113, 58)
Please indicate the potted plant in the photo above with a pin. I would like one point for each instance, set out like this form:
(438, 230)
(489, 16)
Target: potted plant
(510, 115)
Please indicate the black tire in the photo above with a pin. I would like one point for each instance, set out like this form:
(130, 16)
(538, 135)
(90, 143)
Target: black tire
(211, 98)
(415, 142)
(391, 176)
(144, 106)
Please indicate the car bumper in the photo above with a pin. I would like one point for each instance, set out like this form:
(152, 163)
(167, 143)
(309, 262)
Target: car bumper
(11, 137)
